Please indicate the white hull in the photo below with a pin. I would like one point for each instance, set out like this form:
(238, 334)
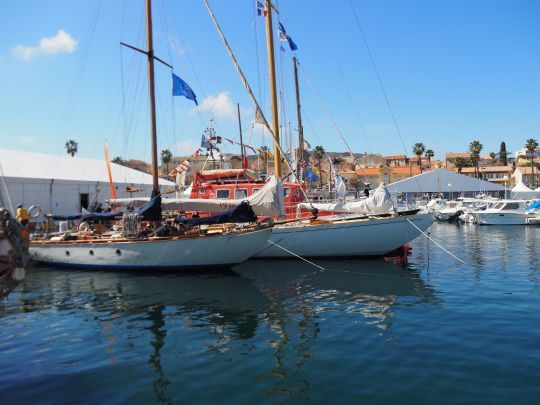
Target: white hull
(204, 252)
(373, 237)
(498, 218)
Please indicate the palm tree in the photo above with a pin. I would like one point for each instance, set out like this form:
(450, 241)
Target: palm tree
(475, 147)
(118, 160)
(72, 147)
(531, 146)
(166, 157)
(493, 156)
(418, 150)
(460, 163)
(263, 153)
(318, 153)
(429, 154)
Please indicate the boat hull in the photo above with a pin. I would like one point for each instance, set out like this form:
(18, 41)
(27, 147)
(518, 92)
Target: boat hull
(351, 238)
(497, 218)
(210, 252)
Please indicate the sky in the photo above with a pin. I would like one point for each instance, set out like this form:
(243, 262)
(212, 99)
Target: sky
(443, 73)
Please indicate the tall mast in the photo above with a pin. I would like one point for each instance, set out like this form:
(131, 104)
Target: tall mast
(300, 127)
(273, 92)
(242, 151)
(151, 90)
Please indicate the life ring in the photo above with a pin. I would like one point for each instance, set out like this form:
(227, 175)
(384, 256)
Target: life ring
(34, 211)
(84, 227)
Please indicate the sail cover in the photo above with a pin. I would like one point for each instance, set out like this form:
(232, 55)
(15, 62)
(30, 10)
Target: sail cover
(268, 201)
(379, 203)
(239, 214)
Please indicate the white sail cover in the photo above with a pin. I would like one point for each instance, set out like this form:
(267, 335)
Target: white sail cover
(521, 191)
(268, 201)
(378, 203)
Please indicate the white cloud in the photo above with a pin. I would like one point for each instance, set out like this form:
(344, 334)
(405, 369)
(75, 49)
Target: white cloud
(185, 148)
(220, 106)
(62, 42)
(27, 139)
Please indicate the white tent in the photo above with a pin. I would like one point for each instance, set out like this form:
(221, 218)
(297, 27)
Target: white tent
(444, 181)
(61, 185)
(521, 192)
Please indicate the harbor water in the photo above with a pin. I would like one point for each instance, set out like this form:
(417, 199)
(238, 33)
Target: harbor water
(431, 330)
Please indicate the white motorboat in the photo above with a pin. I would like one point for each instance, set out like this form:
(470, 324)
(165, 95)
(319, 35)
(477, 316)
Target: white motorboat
(503, 212)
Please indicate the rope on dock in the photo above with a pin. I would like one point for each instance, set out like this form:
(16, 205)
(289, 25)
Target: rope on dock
(427, 236)
(295, 255)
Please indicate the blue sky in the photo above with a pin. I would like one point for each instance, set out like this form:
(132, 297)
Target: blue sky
(454, 71)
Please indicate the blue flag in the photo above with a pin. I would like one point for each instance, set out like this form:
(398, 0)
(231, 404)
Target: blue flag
(285, 37)
(310, 175)
(181, 88)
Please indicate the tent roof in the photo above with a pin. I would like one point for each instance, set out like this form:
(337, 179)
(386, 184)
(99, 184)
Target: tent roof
(22, 164)
(521, 187)
(438, 180)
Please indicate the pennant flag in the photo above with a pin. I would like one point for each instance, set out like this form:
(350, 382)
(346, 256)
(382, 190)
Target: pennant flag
(285, 37)
(218, 139)
(181, 88)
(259, 117)
(251, 148)
(260, 9)
(229, 140)
(205, 142)
(196, 153)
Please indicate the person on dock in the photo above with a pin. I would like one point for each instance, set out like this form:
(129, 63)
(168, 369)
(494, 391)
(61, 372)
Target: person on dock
(22, 215)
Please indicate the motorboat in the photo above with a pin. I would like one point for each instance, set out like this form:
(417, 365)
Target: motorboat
(503, 212)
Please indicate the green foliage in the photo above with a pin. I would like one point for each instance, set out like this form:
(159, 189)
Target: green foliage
(72, 147)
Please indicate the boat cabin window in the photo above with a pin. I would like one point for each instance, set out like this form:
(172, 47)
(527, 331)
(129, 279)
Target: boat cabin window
(287, 192)
(223, 193)
(240, 193)
(511, 206)
(498, 205)
(255, 191)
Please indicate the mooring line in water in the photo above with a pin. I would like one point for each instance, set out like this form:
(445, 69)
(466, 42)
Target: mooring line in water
(295, 255)
(427, 236)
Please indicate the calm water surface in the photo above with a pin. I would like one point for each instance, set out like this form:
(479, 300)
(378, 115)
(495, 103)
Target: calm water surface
(271, 331)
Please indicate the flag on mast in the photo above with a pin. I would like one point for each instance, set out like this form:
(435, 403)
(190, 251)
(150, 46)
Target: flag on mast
(260, 9)
(286, 37)
(181, 88)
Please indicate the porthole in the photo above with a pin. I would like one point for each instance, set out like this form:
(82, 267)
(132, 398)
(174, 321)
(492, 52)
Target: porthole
(118, 252)
(67, 252)
(91, 252)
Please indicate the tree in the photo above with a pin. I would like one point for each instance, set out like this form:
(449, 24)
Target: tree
(503, 157)
(318, 153)
(493, 156)
(166, 157)
(475, 147)
(460, 163)
(429, 154)
(418, 150)
(118, 160)
(264, 152)
(72, 147)
(531, 146)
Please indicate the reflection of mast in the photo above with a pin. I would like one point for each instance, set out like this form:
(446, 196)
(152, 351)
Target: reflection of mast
(158, 331)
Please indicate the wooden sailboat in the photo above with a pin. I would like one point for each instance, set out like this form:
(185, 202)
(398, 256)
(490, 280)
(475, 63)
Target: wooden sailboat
(369, 235)
(13, 252)
(169, 245)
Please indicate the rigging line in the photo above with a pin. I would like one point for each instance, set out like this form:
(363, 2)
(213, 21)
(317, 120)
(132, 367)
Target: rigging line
(351, 100)
(432, 240)
(296, 255)
(379, 79)
(329, 114)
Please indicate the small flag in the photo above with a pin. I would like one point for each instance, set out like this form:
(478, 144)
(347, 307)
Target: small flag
(181, 88)
(260, 9)
(229, 140)
(259, 118)
(285, 37)
(196, 153)
(218, 139)
(310, 175)
(205, 143)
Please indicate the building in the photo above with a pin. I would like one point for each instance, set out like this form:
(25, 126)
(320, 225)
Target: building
(451, 157)
(495, 174)
(387, 174)
(525, 175)
(63, 185)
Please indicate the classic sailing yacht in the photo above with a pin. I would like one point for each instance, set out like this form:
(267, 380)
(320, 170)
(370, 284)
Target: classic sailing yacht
(173, 244)
(360, 235)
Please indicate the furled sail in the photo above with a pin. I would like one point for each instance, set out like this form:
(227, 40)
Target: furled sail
(379, 203)
(268, 201)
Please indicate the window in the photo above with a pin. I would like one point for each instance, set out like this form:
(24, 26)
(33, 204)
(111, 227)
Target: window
(240, 193)
(223, 193)
(511, 206)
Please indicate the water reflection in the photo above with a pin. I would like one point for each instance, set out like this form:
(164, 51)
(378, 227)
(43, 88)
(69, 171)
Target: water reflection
(277, 302)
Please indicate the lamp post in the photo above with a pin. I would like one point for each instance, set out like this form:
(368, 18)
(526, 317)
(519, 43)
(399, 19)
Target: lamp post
(450, 187)
(505, 178)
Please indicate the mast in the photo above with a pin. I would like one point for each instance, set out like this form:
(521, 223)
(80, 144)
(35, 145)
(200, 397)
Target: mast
(242, 151)
(273, 92)
(300, 127)
(151, 90)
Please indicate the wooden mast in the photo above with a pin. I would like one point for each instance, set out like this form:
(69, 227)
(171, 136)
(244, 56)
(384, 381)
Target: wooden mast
(242, 151)
(273, 92)
(151, 90)
(300, 127)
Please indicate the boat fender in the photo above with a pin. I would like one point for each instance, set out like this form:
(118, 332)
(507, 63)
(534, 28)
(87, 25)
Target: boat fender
(34, 211)
(84, 227)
